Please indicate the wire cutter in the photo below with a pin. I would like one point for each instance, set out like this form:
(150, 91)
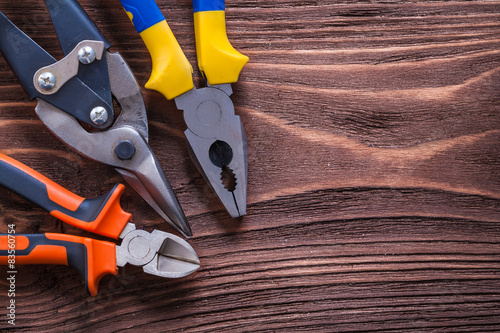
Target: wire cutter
(159, 253)
(79, 89)
(216, 139)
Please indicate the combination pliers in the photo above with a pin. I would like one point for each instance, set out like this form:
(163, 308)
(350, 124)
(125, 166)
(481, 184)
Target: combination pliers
(75, 101)
(216, 139)
(159, 253)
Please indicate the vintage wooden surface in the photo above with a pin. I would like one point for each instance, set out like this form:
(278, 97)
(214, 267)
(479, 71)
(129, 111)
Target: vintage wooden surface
(374, 176)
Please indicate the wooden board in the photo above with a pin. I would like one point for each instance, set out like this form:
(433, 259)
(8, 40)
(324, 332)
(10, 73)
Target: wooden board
(374, 176)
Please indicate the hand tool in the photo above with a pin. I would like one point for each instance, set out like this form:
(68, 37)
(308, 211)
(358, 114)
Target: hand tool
(216, 139)
(159, 253)
(80, 89)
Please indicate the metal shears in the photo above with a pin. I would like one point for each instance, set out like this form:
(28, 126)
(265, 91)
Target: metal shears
(79, 89)
(158, 253)
(215, 136)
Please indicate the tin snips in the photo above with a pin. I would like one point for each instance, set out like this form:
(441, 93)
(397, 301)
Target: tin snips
(215, 136)
(75, 101)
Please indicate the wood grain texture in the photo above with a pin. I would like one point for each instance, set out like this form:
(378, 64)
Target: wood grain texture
(374, 176)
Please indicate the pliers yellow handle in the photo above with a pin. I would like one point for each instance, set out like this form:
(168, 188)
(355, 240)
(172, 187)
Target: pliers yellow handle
(171, 75)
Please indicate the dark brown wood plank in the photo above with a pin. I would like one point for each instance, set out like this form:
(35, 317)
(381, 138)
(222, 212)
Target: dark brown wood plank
(374, 176)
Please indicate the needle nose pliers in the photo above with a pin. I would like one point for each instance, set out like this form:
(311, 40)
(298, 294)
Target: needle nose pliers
(158, 253)
(78, 89)
(216, 139)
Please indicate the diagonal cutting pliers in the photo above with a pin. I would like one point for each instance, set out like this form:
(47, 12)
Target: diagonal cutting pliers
(79, 89)
(158, 253)
(216, 139)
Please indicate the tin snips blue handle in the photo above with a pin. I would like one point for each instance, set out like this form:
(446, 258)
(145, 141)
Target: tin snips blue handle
(171, 74)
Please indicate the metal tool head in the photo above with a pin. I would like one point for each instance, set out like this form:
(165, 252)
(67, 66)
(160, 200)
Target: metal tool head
(217, 143)
(123, 145)
(159, 253)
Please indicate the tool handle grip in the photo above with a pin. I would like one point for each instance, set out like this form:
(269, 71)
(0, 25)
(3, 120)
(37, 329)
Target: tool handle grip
(219, 62)
(171, 73)
(143, 13)
(92, 259)
(102, 215)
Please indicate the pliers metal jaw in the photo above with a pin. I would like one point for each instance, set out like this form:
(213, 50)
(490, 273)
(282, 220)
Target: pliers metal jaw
(80, 89)
(217, 143)
(158, 253)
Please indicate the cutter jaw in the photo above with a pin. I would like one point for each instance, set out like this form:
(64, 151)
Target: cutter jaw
(159, 253)
(217, 143)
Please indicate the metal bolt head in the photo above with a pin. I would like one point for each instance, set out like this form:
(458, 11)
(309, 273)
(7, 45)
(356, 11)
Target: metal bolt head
(125, 150)
(86, 55)
(99, 115)
(47, 81)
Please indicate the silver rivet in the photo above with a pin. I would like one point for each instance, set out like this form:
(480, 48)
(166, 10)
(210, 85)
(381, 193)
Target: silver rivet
(86, 55)
(47, 81)
(99, 115)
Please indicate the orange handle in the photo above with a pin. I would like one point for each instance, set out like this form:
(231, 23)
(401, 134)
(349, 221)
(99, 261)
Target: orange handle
(92, 258)
(102, 215)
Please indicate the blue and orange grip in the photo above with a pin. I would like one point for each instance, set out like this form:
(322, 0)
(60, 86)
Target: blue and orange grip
(103, 215)
(219, 62)
(92, 259)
